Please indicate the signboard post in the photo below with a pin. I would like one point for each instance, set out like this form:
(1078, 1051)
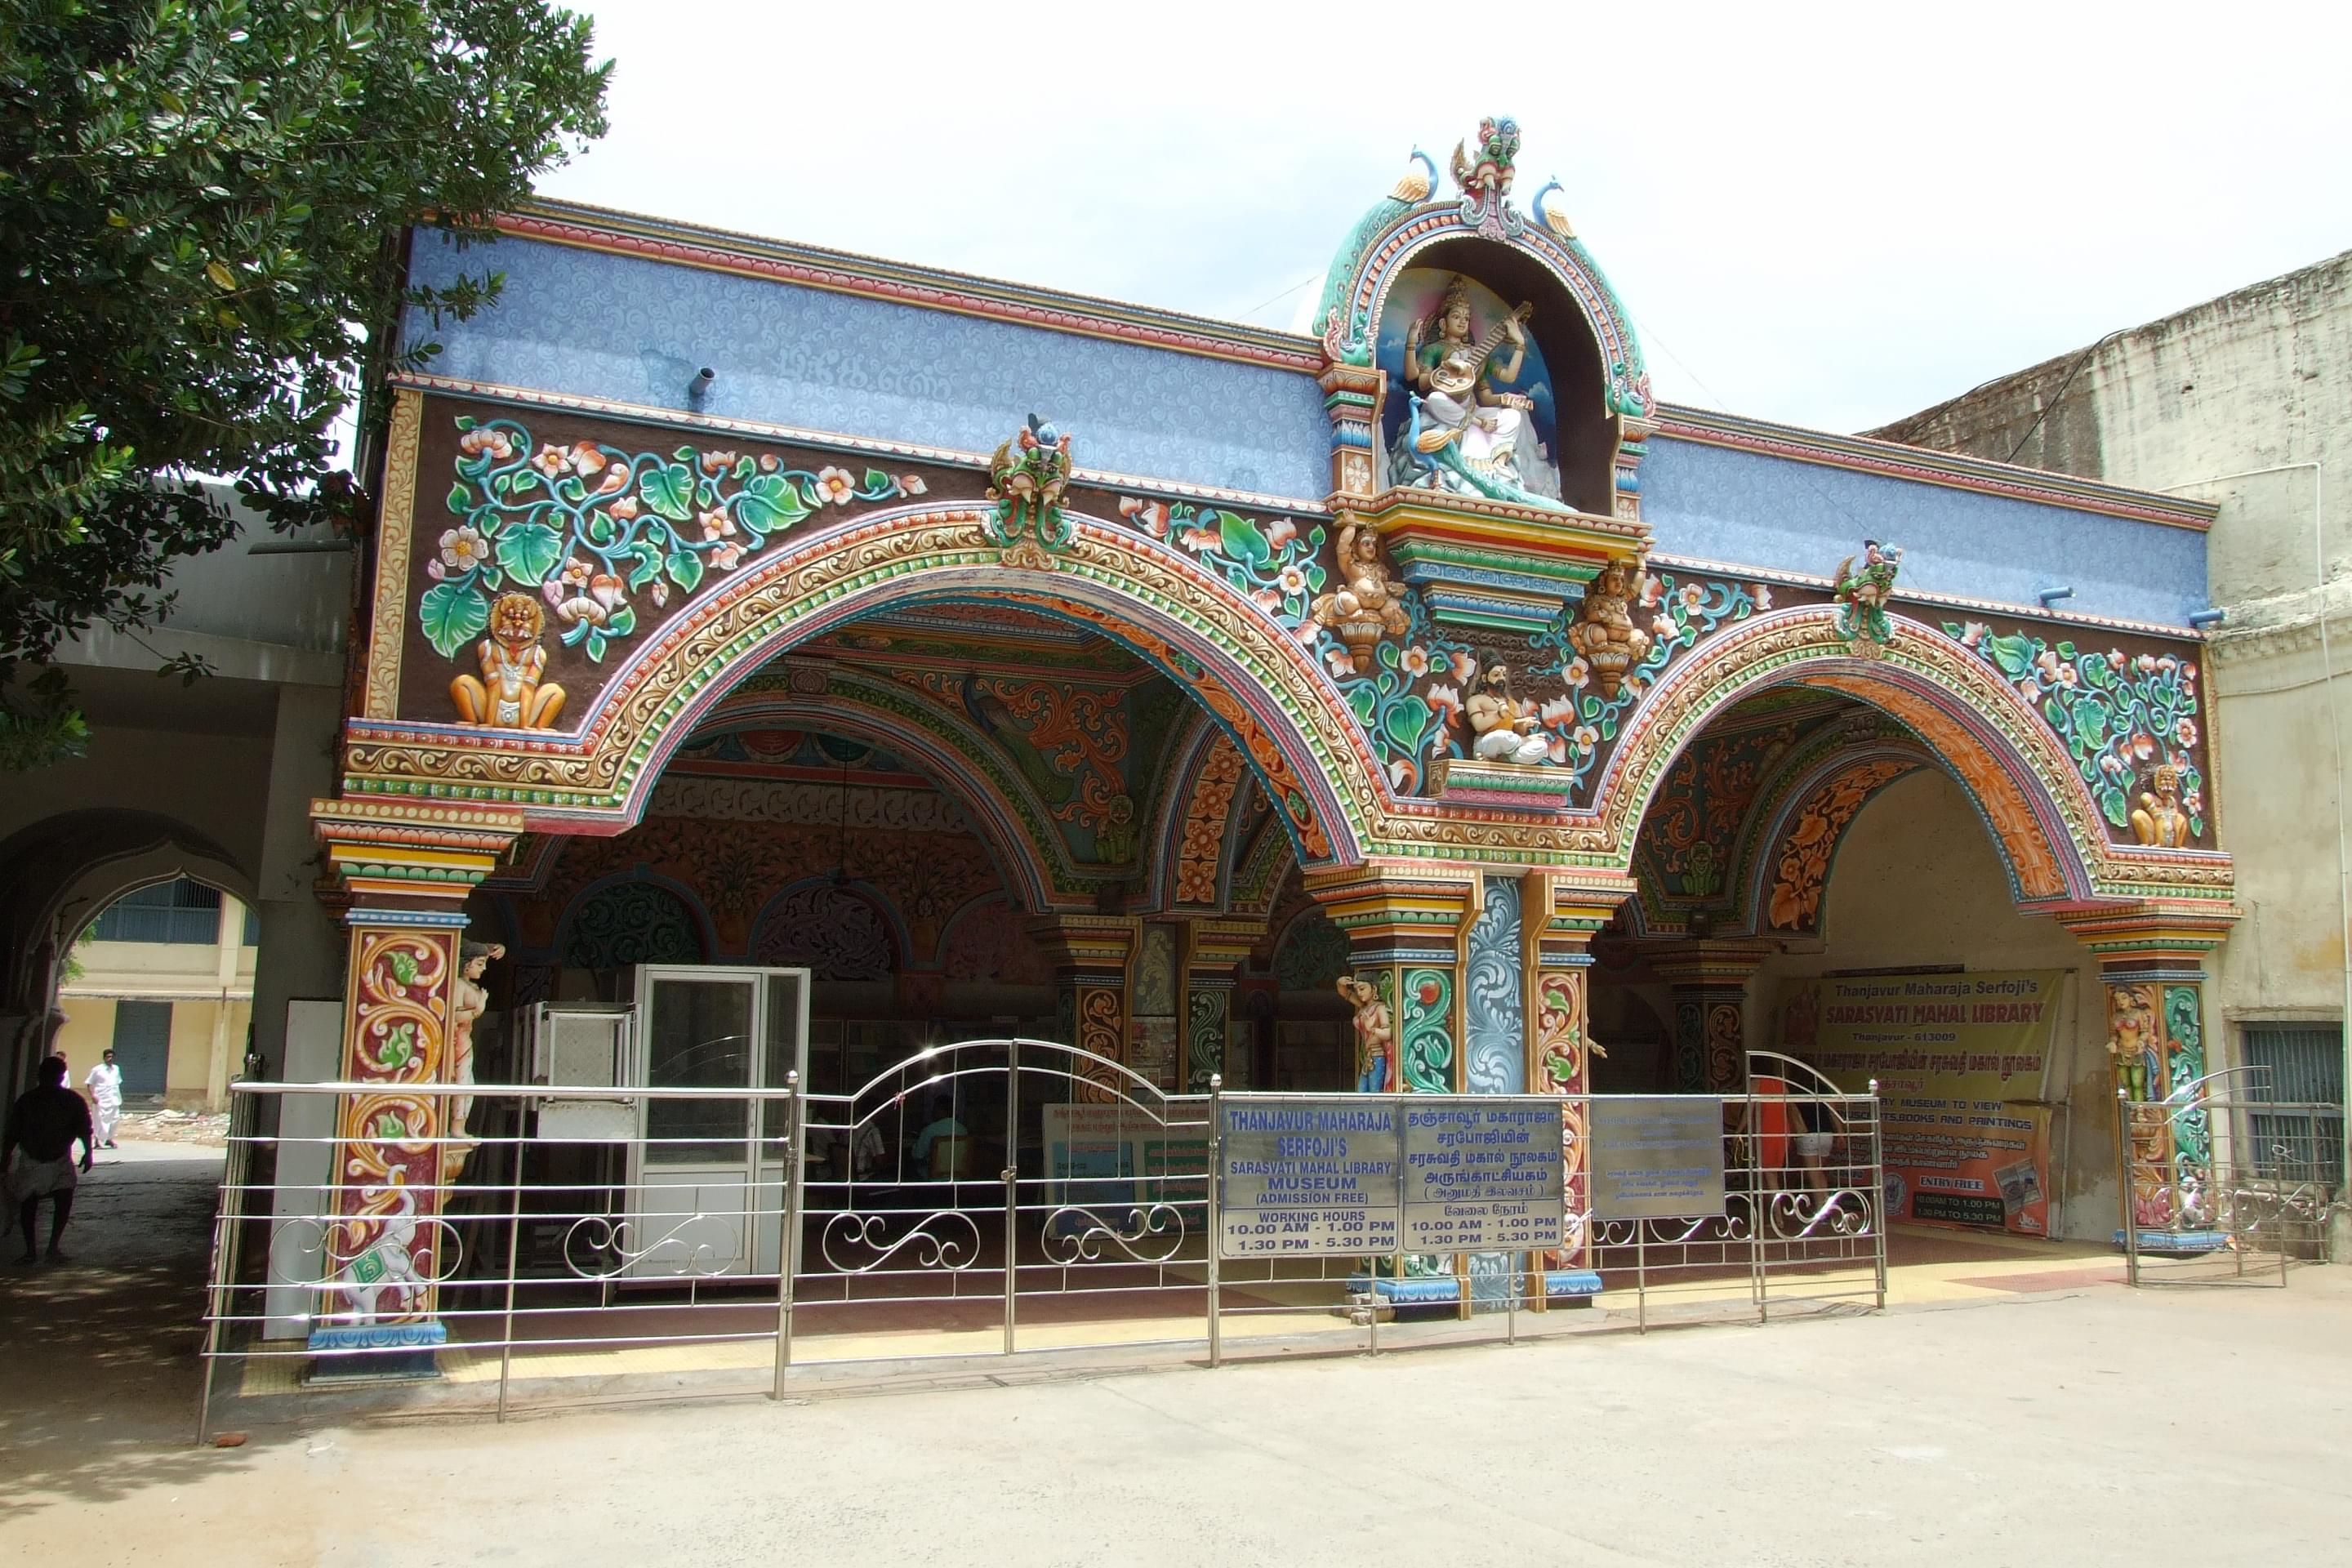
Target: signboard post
(1483, 1173)
(1656, 1157)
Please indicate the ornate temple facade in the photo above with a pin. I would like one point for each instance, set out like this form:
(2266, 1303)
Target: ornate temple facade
(1420, 704)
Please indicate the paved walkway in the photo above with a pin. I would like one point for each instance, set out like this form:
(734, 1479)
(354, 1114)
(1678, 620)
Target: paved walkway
(2089, 1424)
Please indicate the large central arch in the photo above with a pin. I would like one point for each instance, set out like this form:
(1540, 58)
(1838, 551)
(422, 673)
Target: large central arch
(1254, 675)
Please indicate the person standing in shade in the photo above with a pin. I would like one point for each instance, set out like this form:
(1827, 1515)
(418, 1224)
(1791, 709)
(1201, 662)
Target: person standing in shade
(36, 1151)
(105, 1086)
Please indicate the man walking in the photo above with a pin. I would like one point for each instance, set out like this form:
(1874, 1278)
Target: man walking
(105, 1086)
(37, 1151)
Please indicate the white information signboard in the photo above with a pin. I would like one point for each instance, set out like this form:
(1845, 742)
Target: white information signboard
(1370, 1175)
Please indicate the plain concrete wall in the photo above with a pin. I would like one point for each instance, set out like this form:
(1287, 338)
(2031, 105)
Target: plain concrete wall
(2259, 377)
(1918, 884)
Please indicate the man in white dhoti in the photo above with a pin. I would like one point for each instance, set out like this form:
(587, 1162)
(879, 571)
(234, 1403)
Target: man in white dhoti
(105, 1086)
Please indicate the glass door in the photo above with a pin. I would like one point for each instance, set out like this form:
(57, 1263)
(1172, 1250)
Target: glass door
(705, 1172)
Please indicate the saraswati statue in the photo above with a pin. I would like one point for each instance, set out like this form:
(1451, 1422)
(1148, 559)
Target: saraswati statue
(1465, 432)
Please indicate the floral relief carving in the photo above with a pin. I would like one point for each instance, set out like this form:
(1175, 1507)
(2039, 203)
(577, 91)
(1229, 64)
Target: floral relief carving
(1802, 874)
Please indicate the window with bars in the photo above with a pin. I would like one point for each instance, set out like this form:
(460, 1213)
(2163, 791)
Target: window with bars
(2302, 1066)
(181, 912)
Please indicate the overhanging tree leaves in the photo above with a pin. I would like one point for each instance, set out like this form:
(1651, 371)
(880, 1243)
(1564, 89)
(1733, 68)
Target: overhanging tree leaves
(200, 209)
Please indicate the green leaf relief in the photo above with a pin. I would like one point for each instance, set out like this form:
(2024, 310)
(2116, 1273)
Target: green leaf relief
(528, 552)
(451, 614)
(685, 569)
(404, 968)
(669, 490)
(1242, 539)
(461, 499)
(770, 502)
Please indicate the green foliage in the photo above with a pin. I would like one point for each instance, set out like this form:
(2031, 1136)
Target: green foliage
(201, 266)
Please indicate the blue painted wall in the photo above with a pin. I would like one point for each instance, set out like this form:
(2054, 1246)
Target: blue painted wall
(631, 330)
(635, 331)
(1725, 505)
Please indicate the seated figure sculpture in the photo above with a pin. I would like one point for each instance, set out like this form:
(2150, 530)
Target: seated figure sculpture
(1465, 434)
(1505, 729)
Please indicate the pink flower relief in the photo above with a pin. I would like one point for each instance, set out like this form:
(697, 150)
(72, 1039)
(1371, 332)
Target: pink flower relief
(1557, 712)
(1663, 629)
(549, 460)
(1652, 590)
(1577, 673)
(2194, 801)
(1763, 595)
(434, 569)
(624, 509)
(2145, 664)
(2143, 747)
(1340, 661)
(1555, 748)
(1199, 538)
(1305, 631)
(616, 477)
(552, 589)
(2184, 731)
(912, 484)
(1414, 661)
(585, 459)
(2047, 664)
(487, 438)
(2167, 662)
(1294, 581)
(659, 593)
(835, 485)
(2188, 669)
(1462, 665)
(2113, 763)
(767, 462)
(1446, 702)
(2116, 661)
(1694, 595)
(1973, 633)
(1281, 531)
(1401, 775)
(717, 462)
(1586, 737)
(716, 523)
(1151, 516)
(2030, 692)
(1266, 599)
(726, 557)
(2068, 677)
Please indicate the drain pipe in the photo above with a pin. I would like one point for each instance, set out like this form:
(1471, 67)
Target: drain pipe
(2335, 735)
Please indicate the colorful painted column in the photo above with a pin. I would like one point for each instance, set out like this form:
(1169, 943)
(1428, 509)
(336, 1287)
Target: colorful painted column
(1710, 985)
(1091, 955)
(2152, 966)
(1215, 951)
(407, 870)
(1405, 931)
(1565, 917)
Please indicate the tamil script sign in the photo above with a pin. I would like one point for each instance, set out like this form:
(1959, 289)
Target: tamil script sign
(1365, 1174)
(1961, 1065)
(1656, 1157)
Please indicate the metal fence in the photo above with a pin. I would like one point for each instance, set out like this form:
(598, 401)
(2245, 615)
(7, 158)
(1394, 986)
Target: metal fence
(984, 1199)
(2228, 1185)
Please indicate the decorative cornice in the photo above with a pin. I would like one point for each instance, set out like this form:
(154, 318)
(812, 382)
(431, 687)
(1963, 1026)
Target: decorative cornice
(926, 288)
(1891, 460)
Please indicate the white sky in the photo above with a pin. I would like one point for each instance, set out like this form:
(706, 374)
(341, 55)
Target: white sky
(1831, 215)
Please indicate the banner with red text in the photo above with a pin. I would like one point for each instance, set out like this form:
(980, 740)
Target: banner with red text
(1960, 1061)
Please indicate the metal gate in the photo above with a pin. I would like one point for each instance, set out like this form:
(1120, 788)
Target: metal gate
(2226, 1186)
(996, 1193)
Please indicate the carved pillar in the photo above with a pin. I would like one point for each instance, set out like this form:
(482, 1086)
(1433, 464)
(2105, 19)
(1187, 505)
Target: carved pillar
(2151, 966)
(1560, 959)
(1710, 986)
(1089, 954)
(1215, 951)
(406, 869)
(1405, 931)
(1351, 396)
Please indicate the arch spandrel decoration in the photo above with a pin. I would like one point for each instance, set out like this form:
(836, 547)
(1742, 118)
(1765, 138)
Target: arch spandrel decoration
(2014, 768)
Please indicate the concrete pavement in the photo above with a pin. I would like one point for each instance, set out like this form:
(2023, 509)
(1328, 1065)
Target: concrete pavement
(2094, 1424)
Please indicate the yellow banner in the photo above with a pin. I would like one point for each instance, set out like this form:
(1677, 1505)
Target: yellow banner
(1960, 1061)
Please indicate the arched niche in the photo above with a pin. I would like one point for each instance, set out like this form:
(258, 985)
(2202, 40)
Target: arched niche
(1563, 372)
